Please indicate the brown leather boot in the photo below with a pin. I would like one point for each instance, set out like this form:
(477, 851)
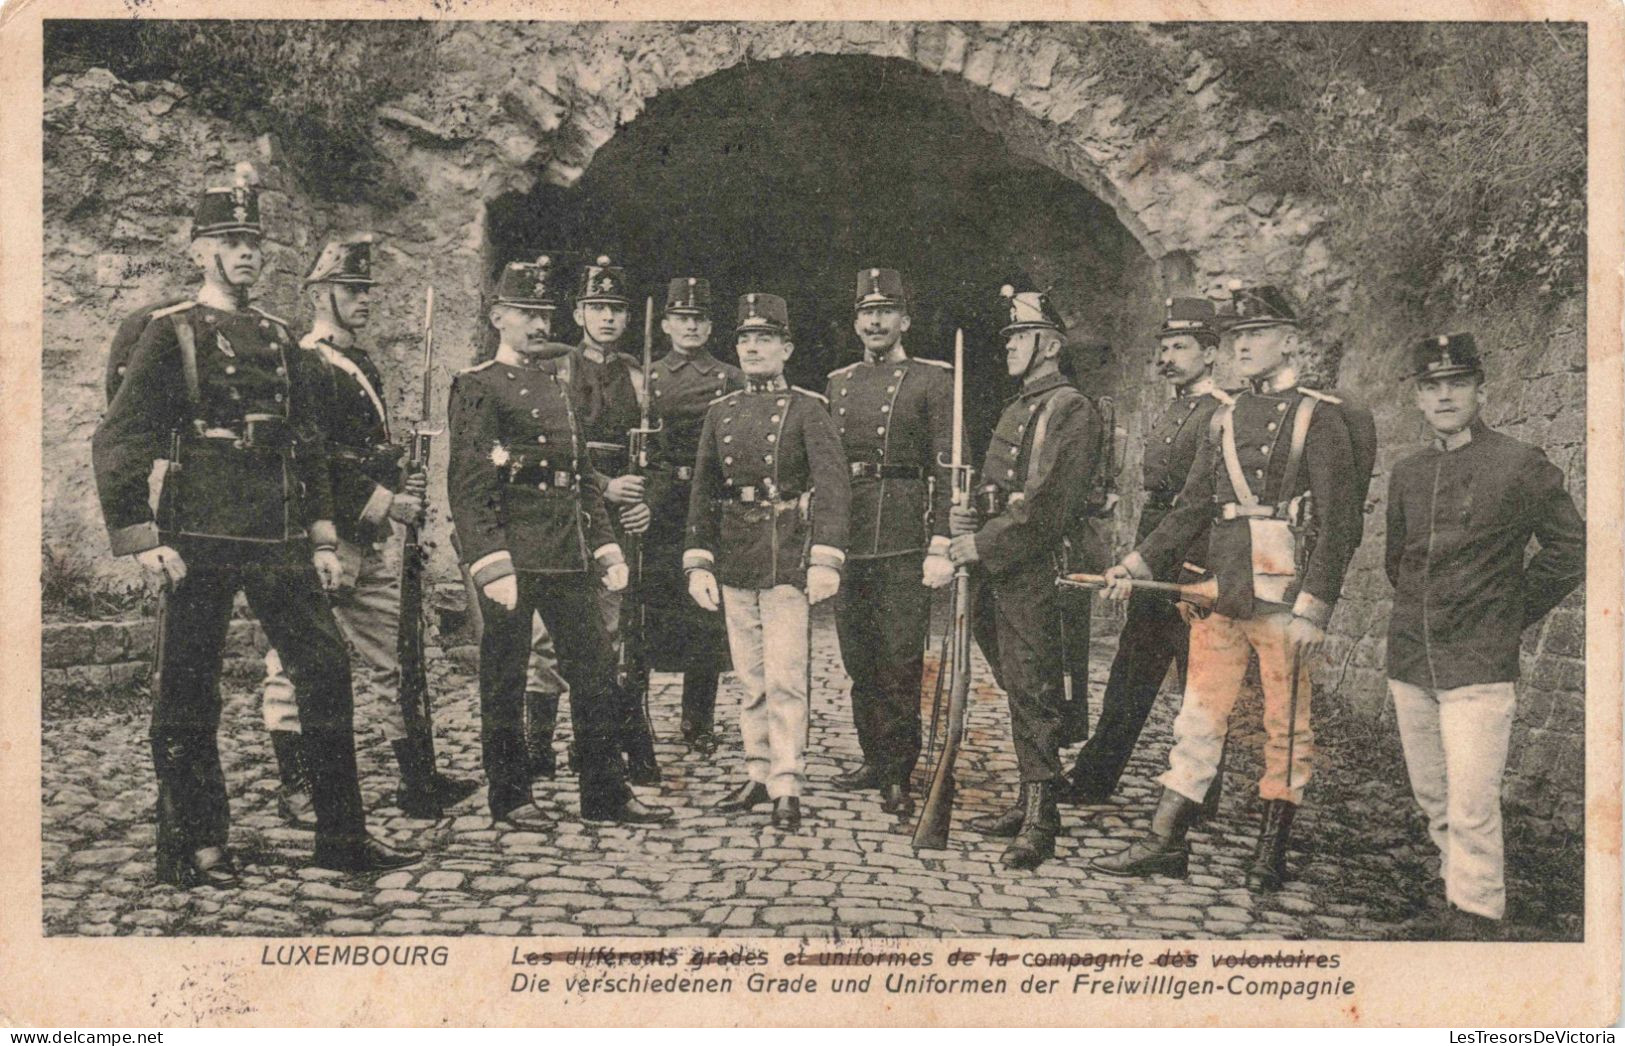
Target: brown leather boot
(1040, 823)
(1161, 851)
(1267, 871)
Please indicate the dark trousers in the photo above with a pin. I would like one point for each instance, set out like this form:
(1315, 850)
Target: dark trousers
(1018, 626)
(1154, 636)
(882, 615)
(286, 596)
(569, 609)
(681, 637)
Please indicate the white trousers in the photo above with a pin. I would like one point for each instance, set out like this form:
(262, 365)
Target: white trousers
(1456, 751)
(767, 635)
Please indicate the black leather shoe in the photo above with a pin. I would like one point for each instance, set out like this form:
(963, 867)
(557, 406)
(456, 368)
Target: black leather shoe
(746, 797)
(787, 813)
(863, 777)
(633, 811)
(365, 854)
(1040, 823)
(1005, 825)
(894, 799)
(526, 817)
(208, 866)
(1161, 851)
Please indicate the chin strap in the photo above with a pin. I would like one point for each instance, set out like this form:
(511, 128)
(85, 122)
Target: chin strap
(238, 292)
(1032, 359)
(333, 307)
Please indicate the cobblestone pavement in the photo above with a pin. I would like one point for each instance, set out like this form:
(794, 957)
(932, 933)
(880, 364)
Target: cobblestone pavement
(850, 870)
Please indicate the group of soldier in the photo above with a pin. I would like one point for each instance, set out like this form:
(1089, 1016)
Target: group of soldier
(753, 501)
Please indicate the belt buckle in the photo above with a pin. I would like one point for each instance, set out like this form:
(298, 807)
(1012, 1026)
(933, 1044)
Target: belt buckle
(747, 495)
(685, 472)
(561, 478)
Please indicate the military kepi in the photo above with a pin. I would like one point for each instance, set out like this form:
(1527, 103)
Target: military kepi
(1030, 310)
(1249, 307)
(689, 294)
(1188, 316)
(1445, 356)
(530, 285)
(604, 282)
(877, 287)
(231, 208)
(345, 261)
(763, 312)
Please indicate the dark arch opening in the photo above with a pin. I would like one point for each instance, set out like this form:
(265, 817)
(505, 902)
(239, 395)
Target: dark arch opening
(788, 176)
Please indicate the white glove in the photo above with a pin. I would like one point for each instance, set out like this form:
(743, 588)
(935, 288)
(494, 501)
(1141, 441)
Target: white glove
(406, 508)
(822, 582)
(504, 592)
(617, 576)
(623, 490)
(702, 588)
(635, 518)
(163, 563)
(936, 571)
(963, 520)
(328, 568)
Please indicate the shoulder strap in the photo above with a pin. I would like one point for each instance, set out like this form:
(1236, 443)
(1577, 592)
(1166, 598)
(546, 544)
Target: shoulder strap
(1041, 428)
(1300, 437)
(188, 346)
(1232, 462)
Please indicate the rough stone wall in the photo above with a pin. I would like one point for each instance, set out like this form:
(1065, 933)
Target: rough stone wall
(530, 104)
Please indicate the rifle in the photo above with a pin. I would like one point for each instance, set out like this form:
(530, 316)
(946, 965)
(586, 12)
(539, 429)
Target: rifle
(630, 658)
(414, 683)
(1201, 594)
(936, 814)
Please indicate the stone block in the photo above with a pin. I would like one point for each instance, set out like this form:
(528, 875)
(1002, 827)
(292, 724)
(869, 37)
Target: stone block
(67, 644)
(1565, 633)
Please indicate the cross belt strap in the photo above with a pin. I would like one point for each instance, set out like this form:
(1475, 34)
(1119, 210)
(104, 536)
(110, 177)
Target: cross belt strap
(1300, 438)
(1232, 461)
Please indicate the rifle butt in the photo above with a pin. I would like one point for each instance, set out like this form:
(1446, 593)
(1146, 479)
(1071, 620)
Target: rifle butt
(936, 815)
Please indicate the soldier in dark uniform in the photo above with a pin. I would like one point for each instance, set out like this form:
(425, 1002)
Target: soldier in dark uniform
(533, 530)
(366, 474)
(1461, 513)
(895, 417)
(125, 338)
(1277, 442)
(767, 517)
(1156, 634)
(680, 386)
(603, 383)
(1032, 489)
(221, 391)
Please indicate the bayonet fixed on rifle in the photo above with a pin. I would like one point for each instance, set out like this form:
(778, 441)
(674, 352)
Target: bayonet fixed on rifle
(936, 814)
(1200, 594)
(630, 661)
(414, 683)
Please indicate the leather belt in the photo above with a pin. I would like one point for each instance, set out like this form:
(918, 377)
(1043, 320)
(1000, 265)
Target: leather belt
(1236, 510)
(875, 470)
(684, 473)
(759, 496)
(363, 457)
(258, 432)
(993, 501)
(538, 474)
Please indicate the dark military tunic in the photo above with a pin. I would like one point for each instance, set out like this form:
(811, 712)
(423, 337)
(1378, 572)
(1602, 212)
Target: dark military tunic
(519, 481)
(124, 341)
(237, 503)
(247, 365)
(770, 488)
(366, 465)
(679, 635)
(525, 502)
(1459, 524)
(606, 400)
(895, 421)
(1154, 635)
(1263, 421)
(1042, 452)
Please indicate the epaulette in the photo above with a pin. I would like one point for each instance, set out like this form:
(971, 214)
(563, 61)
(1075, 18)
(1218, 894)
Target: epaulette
(838, 372)
(278, 320)
(1324, 397)
(808, 392)
(309, 341)
(636, 363)
(477, 367)
(934, 363)
(725, 396)
(171, 310)
(1224, 396)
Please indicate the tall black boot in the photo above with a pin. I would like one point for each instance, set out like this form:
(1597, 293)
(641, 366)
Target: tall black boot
(1267, 871)
(541, 719)
(1040, 823)
(293, 798)
(1163, 850)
